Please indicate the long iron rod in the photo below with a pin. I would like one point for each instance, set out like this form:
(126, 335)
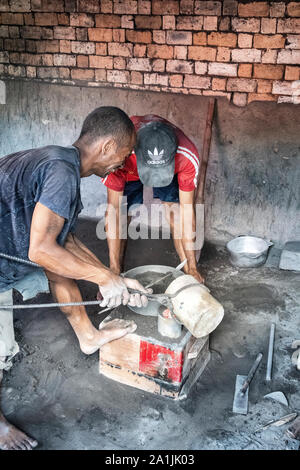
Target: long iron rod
(270, 352)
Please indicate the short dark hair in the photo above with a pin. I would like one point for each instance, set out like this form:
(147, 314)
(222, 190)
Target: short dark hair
(107, 121)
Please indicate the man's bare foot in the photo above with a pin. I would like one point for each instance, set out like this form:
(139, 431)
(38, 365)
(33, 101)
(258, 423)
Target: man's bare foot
(12, 438)
(111, 330)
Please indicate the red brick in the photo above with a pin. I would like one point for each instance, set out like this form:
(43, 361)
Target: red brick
(289, 57)
(241, 84)
(246, 55)
(276, 41)
(241, 25)
(225, 24)
(101, 48)
(100, 34)
(108, 21)
(165, 7)
(289, 25)
(200, 39)
(245, 70)
(293, 9)
(82, 61)
(210, 23)
(230, 7)
(63, 19)
(264, 86)
(253, 9)
(194, 81)
(120, 49)
(147, 22)
(3, 31)
(223, 54)
(70, 6)
(274, 72)
(31, 45)
(31, 59)
(16, 70)
(13, 57)
(106, 6)
(4, 5)
(239, 99)
(158, 65)
(139, 64)
(12, 18)
(261, 97)
(219, 84)
(4, 58)
(89, 6)
(176, 80)
(46, 19)
(245, 40)
(65, 60)
(268, 25)
(80, 47)
(156, 79)
(81, 19)
(292, 73)
(293, 41)
(225, 70)
(189, 22)
(200, 68)
(65, 46)
(82, 74)
(160, 52)
(47, 5)
(127, 21)
(283, 88)
(277, 9)
(180, 52)
(30, 71)
(118, 76)
(143, 37)
(139, 50)
(47, 59)
(202, 53)
(100, 75)
(14, 44)
(125, 7)
(159, 37)
(81, 34)
(144, 7)
(47, 33)
(186, 7)
(47, 72)
(28, 19)
(207, 8)
(179, 66)
(14, 32)
(269, 56)
(169, 22)
(118, 35)
(47, 46)
(136, 78)
(64, 72)
(99, 62)
(222, 39)
(179, 37)
(64, 32)
(119, 63)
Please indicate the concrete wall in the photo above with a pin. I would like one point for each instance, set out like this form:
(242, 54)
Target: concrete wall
(254, 168)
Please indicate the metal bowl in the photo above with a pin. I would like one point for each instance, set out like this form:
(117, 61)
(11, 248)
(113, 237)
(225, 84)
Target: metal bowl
(150, 273)
(247, 251)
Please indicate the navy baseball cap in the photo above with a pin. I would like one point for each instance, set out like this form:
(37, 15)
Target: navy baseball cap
(155, 154)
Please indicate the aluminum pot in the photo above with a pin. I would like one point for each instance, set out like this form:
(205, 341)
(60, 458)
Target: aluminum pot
(247, 251)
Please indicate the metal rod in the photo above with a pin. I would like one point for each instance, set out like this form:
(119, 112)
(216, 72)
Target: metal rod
(270, 352)
(19, 260)
(251, 373)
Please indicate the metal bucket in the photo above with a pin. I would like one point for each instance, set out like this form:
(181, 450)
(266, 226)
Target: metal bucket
(248, 252)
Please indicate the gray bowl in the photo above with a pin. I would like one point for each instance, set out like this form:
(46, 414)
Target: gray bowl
(248, 252)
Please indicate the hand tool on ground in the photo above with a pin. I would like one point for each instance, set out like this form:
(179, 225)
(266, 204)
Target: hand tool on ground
(278, 422)
(270, 352)
(278, 396)
(240, 401)
(200, 191)
(178, 268)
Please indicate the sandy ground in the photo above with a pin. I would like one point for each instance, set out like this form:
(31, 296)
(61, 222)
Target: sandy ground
(55, 393)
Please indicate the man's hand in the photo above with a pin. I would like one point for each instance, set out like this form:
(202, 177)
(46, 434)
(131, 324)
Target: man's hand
(197, 276)
(114, 292)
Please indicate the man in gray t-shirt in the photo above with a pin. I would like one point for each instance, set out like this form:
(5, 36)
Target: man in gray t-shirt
(39, 205)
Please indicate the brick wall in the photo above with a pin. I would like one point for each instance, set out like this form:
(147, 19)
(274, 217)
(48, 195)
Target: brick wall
(244, 51)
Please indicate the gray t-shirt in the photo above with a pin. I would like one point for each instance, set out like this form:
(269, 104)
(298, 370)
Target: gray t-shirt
(49, 175)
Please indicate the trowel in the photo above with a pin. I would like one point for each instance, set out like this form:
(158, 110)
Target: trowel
(240, 401)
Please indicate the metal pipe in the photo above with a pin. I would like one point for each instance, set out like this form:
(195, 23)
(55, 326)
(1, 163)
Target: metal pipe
(19, 260)
(270, 352)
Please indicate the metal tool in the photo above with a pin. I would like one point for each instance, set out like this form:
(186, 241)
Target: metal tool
(240, 401)
(270, 352)
(278, 422)
(178, 268)
(278, 396)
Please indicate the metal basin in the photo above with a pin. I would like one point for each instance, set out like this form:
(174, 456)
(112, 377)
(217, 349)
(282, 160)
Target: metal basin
(150, 273)
(248, 251)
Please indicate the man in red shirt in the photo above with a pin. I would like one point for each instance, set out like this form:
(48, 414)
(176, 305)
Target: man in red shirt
(165, 159)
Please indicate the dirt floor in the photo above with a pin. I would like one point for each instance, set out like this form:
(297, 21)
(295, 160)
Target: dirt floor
(55, 393)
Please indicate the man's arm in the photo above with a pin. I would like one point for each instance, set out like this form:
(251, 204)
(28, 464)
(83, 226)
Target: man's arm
(188, 231)
(112, 227)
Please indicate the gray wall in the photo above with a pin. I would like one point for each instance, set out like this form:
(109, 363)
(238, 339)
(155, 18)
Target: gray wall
(254, 169)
